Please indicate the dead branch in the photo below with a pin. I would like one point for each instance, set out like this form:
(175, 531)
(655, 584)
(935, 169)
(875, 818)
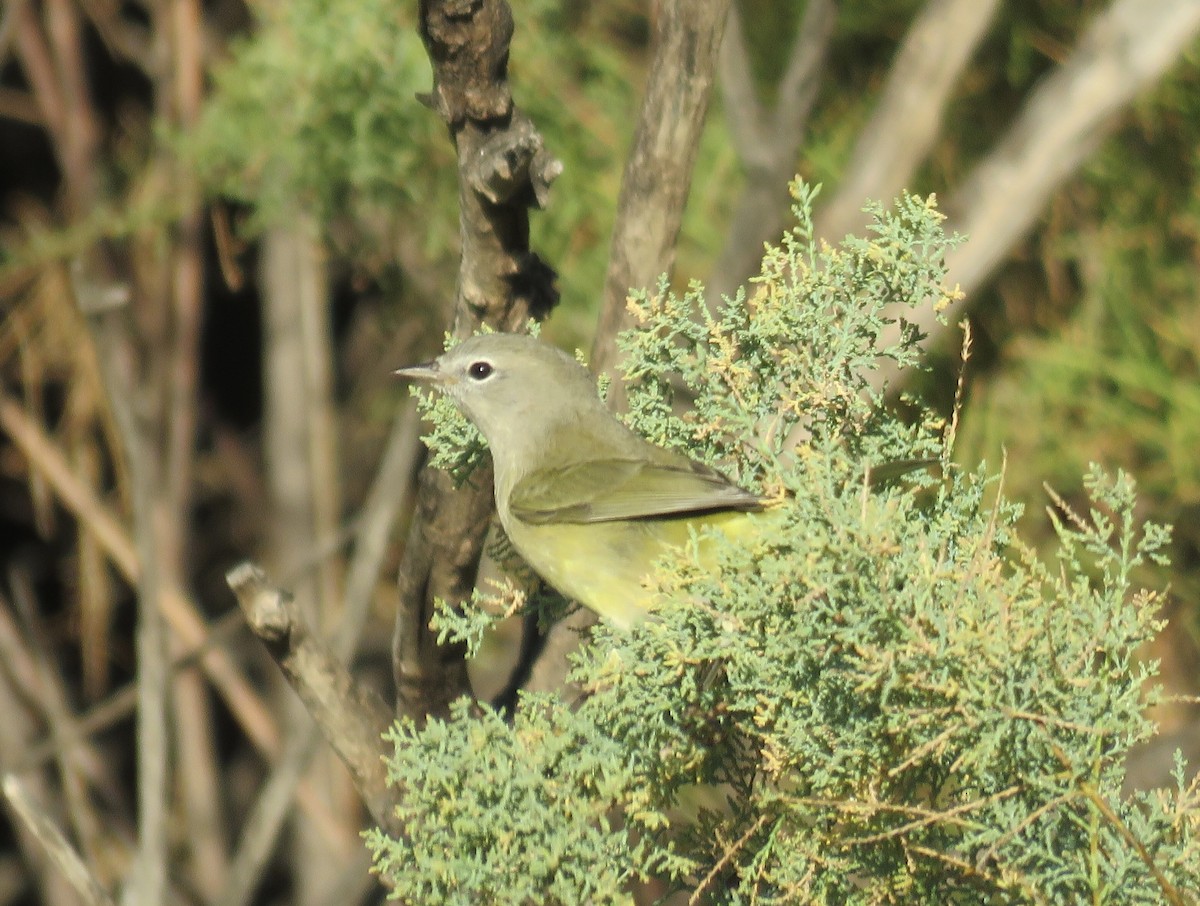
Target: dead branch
(352, 717)
(388, 497)
(503, 170)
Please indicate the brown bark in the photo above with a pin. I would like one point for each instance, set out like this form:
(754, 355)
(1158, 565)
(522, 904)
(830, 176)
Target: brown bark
(503, 170)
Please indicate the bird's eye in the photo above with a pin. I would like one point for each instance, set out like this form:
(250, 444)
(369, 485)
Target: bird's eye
(479, 370)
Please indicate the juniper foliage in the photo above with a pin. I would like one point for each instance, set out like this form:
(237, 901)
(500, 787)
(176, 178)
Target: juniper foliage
(888, 699)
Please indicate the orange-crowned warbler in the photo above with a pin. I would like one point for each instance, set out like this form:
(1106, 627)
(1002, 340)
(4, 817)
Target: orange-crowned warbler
(587, 503)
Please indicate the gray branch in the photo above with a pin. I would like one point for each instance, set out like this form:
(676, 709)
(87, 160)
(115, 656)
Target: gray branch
(768, 147)
(352, 717)
(658, 171)
(1124, 50)
(908, 118)
(56, 845)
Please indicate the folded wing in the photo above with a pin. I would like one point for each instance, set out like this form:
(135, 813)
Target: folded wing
(606, 490)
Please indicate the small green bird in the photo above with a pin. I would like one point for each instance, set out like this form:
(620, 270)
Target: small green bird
(589, 504)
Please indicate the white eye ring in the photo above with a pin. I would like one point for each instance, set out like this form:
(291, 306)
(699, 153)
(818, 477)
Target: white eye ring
(479, 371)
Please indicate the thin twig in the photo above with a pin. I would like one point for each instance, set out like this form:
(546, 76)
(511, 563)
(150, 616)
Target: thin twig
(725, 859)
(114, 347)
(960, 392)
(52, 700)
(55, 843)
(1169, 891)
(243, 701)
(121, 703)
(34, 53)
(272, 805)
(81, 133)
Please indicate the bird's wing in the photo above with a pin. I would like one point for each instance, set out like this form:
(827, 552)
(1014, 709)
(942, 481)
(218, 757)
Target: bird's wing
(604, 490)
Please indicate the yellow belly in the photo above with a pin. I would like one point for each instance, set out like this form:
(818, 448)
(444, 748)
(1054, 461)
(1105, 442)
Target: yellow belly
(606, 565)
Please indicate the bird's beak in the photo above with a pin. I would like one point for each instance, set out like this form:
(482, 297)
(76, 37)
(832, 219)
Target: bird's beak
(429, 371)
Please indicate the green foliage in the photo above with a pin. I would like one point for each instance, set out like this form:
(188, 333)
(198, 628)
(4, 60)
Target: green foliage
(747, 376)
(520, 813)
(456, 445)
(317, 113)
(1113, 359)
(888, 698)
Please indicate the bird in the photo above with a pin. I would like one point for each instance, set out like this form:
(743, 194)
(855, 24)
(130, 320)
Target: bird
(589, 504)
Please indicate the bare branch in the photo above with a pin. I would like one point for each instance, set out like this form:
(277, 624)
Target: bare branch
(117, 706)
(177, 361)
(116, 359)
(352, 717)
(441, 556)
(298, 441)
(302, 474)
(272, 805)
(388, 496)
(658, 171)
(35, 58)
(908, 117)
(56, 844)
(81, 132)
(798, 86)
(747, 118)
(761, 212)
(29, 662)
(1125, 48)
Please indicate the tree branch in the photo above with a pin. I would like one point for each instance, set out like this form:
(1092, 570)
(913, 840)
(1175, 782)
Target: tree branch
(908, 117)
(127, 397)
(352, 717)
(658, 171)
(747, 119)
(503, 170)
(388, 496)
(56, 844)
(770, 163)
(1125, 48)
